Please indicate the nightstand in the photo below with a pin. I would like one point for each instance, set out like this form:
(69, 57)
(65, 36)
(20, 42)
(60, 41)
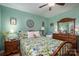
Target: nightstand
(11, 47)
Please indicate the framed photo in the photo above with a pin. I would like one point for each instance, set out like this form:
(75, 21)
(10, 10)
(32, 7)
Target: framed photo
(13, 21)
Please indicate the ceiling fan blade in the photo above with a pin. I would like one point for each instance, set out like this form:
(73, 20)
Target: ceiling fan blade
(43, 5)
(62, 4)
(50, 8)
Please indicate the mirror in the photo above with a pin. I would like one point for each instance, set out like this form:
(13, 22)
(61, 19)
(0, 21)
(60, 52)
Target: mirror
(66, 26)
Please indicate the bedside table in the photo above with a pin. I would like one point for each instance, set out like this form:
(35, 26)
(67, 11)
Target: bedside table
(11, 47)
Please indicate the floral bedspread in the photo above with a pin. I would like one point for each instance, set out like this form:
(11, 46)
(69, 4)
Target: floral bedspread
(38, 46)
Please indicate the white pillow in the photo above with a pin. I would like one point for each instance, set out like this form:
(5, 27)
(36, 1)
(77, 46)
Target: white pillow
(36, 33)
(23, 34)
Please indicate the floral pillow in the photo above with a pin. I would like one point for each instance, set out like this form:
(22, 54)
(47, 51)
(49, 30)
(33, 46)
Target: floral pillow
(23, 34)
(30, 34)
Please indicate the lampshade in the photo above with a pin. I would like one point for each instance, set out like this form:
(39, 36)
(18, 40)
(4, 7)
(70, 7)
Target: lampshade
(42, 28)
(11, 31)
(12, 35)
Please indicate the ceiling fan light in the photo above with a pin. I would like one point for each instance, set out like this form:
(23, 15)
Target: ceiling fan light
(51, 4)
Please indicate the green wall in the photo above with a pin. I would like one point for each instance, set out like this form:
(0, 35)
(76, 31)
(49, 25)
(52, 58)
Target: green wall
(0, 18)
(0, 28)
(1, 42)
(74, 13)
(21, 18)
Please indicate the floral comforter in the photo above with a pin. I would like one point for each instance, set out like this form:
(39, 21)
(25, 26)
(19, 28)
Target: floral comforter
(38, 46)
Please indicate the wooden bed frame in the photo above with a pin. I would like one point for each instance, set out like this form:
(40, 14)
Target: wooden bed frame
(66, 46)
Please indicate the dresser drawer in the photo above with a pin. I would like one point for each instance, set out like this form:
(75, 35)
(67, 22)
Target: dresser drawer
(11, 46)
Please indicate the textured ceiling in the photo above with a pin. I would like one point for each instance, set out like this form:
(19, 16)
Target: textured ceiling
(33, 8)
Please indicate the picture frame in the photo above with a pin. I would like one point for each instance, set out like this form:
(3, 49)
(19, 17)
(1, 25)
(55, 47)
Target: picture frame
(13, 21)
(51, 24)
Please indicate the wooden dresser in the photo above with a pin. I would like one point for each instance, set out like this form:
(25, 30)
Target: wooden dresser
(11, 47)
(66, 37)
(66, 30)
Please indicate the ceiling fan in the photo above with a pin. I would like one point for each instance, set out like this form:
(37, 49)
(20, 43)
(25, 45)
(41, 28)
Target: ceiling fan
(51, 4)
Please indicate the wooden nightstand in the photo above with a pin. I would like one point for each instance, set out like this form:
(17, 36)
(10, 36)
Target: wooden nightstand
(11, 47)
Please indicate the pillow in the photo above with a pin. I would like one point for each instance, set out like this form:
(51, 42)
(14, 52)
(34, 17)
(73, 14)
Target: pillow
(31, 34)
(49, 36)
(34, 36)
(23, 34)
(37, 34)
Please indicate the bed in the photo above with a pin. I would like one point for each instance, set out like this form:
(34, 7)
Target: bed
(43, 46)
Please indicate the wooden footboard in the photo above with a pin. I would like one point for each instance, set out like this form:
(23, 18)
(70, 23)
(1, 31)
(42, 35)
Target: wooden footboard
(63, 49)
